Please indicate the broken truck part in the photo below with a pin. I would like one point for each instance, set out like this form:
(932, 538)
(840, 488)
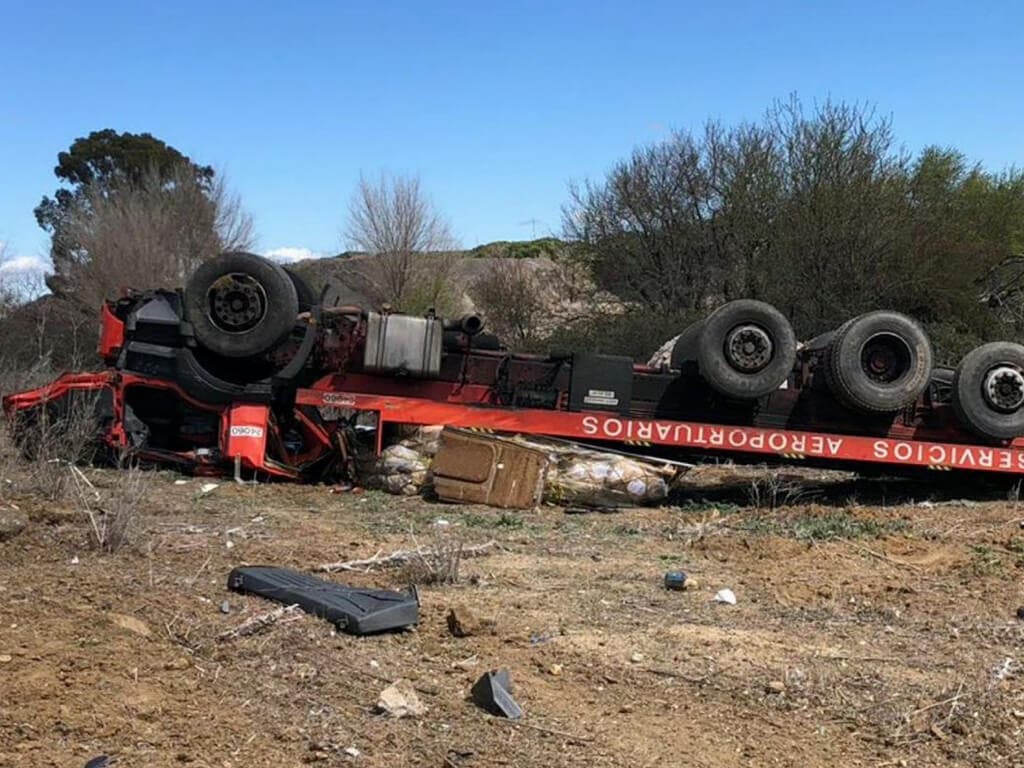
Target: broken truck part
(352, 610)
(246, 370)
(479, 469)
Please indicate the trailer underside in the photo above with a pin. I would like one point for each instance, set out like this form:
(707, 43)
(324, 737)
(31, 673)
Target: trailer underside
(291, 411)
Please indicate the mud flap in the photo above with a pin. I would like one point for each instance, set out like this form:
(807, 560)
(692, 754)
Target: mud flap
(353, 610)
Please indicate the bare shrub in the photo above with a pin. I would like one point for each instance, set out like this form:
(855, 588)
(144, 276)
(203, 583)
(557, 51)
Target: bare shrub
(525, 300)
(52, 438)
(437, 564)
(510, 297)
(773, 489)
(147, 234)
(411, 242)
(112, 511)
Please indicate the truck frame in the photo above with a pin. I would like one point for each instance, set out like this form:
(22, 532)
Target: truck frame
(165, 398)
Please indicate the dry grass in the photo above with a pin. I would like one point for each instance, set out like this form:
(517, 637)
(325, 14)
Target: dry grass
(113, 511)
(436, 564)
(832, 656)
(42, 454)
(774, 489)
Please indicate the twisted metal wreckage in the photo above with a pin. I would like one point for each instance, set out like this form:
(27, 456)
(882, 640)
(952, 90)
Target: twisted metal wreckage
(247, 369)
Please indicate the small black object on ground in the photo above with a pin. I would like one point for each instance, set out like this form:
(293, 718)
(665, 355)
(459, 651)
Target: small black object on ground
(493, 692)
(675, 580)
(353, 610)
(101, 761)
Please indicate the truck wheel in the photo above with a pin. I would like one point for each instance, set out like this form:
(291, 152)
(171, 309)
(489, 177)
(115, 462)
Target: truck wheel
(988, 390)
(744, 349)
(303, 290)
(240, 305)
(878, 362)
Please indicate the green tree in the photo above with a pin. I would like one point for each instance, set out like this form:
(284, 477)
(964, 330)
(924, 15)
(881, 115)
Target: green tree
(104, 163)
(820, 212)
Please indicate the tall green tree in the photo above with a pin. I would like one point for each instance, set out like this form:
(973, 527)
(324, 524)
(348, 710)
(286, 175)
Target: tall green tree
(105, 163)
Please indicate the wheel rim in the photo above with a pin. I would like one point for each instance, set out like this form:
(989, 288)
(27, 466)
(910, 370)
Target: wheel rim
(885, 358)
(1003, 388)
(748, 348)
(236, 303)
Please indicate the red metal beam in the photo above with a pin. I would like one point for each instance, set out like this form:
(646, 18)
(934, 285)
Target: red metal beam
(611, 427)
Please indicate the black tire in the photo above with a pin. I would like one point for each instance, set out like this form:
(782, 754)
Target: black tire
(878, 362)
(240, 305)
(687, 343)
(303, 290)
(744, 349)
(994, 415)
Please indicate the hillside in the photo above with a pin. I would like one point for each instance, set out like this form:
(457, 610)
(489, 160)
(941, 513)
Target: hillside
(345, 272)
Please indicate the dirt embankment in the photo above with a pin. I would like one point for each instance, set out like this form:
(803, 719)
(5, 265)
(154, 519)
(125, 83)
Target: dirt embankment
(863, 635)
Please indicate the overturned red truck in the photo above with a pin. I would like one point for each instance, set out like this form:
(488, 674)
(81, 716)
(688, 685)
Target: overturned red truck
(247, 369)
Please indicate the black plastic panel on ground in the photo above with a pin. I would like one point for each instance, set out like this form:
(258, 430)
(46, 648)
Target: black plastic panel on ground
(353, 610)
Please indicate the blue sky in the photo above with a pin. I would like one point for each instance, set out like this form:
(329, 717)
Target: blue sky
(496, 106)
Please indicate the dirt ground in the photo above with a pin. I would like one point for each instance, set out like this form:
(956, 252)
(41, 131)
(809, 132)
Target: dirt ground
(870, 630)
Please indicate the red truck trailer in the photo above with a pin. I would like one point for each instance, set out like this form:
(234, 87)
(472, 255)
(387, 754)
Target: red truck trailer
(246, 369)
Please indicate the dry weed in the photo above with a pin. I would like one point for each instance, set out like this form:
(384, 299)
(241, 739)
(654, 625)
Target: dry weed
(436, 564)
(113, 511)
(774, 489)
(52, 437)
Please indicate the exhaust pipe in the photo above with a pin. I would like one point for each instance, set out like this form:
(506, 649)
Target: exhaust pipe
(469, 324)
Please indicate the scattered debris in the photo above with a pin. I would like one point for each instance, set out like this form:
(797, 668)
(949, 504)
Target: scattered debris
(473, 468)
(258, 623)
(75, 560)
(6, 658)
(1005, 668)
(493, 692)
(605, 479)
(400, 700)
(352, 752)
(725, 596)
(776, 686)
(544, 637)
(676, 580)
(636, 658)
(1020, 613)
(10, 527)
(555, 670)
(181, 482)
(462, 622)
(402, 468)
(101, 761)
(353, 610)
(131, 624)
(516, 472)
(225, 607)
(403, 557)
(208, 488)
